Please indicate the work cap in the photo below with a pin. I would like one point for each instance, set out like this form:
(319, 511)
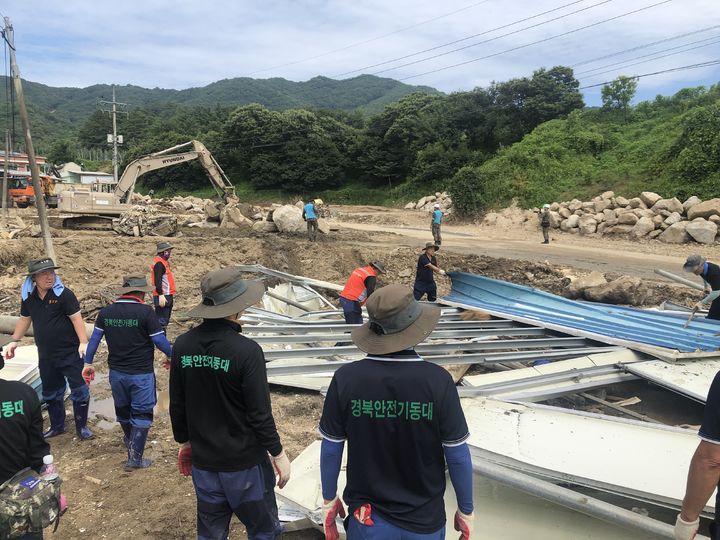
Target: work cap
(429, 245)
(397, 321)
(41, 265)
(163, 246)
(546, 206)
(436, 205)
(133, 284)
(692, 262)
(380, 267)
(225, 292)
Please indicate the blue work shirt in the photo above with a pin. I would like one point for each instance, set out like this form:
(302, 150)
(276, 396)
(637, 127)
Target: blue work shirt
(310, 211)
(437, 217)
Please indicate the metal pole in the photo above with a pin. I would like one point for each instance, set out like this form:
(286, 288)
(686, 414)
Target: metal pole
(6, 209)
(115, 151)
(679, 279)
(37, 185)
(569, 499)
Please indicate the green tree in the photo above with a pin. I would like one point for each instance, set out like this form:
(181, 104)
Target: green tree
(62, 151)
(618, 94)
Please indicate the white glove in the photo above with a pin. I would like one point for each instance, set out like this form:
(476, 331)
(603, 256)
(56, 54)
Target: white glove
(281, 464)
(464, 524)
(162, 301)
(82, 349)
(685, 530)
(9, 350)
(443, 272)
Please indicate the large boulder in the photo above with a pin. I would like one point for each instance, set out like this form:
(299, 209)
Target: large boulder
(690, 202)
(410, 206)
(671, 205)
(289, 219)
(572, 221)
(555, 219)
(643, 227)
(636, 202)
(564, 213)
(627, 218)
(323, 226)
(232, 217)
(609, 214)
(575, 205)
(675, 233)
(578, 285)
(621, 201)
(649, 198)
(675, 217)
(620, 229)
(265, 227)
(554, 207)
(623, 290)
(644, 212)
(212, 211)
(702, 231)
(421, 202)
(587, 224)
(602, 204)
(704, 209)
(607, 195)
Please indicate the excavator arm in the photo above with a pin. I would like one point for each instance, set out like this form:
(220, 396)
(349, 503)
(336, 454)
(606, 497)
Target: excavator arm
(166, 158)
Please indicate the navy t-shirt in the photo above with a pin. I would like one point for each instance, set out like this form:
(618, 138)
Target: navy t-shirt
(396, 413)
(710, 428)
(55, 335)
(424, 273)
(129, 326)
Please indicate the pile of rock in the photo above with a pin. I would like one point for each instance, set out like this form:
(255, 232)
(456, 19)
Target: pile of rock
(428, 201)
(144, 221)
(645, 216)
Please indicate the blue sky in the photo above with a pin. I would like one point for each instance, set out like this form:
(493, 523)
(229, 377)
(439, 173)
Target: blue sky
(180, 44)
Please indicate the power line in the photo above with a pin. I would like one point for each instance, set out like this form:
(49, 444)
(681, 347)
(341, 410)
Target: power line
(671, 70)
(653, 56)
(383, 36)
(645, 46)
(544, 40)
(476, 35)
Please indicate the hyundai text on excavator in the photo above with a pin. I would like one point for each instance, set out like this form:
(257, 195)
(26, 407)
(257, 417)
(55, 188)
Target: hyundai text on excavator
(82, 207)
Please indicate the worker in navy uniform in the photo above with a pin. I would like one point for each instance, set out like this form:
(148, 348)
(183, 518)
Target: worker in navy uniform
(710, 273)
(22, 443)
(221, 414)
(132, 331)
(704, 473)
(427, 266)
(402, 420)
(59, 330)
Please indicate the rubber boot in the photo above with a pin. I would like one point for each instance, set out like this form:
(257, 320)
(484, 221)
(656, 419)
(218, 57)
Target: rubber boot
(56, 413)
(80, 411)
(138, 437)
(126, 431)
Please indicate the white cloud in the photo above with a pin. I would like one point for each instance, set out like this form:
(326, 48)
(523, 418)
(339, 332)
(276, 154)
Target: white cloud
(188, 43)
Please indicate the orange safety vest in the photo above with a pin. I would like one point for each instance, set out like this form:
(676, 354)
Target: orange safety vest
(168, 281)
(355, 286)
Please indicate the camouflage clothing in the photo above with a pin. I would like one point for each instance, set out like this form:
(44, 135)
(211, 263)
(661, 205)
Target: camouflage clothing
(28, 504)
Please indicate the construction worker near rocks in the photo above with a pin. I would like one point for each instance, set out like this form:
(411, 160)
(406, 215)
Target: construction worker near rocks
(437, 216)
(359, 286)
(163, 283)
(704, 473)
(132, 331)
(61, 340)
(310, 216)
(545, 223)
(21, 432)
(710, 273)
(221, 414)
(424, 276)
(402, 420)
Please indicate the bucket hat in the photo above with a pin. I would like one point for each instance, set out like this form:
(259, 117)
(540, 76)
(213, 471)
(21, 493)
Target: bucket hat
(224, 293)
(397, 321)
(692, 262)
(436, 205)
(133, 284)
(380, 267)
(41, 265)
(429, 245)
(163, 246)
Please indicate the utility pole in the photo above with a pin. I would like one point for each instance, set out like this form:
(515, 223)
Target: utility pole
(29, 148)
(113, 138)
(6, 209)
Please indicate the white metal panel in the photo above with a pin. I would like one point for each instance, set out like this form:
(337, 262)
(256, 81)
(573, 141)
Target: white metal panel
(691, 379)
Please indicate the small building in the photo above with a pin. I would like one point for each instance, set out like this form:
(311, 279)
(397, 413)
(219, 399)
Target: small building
(86, 177)
(18, 161)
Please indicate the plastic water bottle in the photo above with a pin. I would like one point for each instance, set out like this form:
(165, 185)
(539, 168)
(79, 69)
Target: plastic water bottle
(49, 469)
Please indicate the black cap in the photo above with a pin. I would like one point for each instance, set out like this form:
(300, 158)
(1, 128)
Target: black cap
(380, 267)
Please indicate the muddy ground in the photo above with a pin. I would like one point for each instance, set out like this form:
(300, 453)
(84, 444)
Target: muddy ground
(158, 503)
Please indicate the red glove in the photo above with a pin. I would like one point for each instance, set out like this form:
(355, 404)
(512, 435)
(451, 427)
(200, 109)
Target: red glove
(331, 509)
(464, 524)
(185, 460)
(88, 373)
(166, 363)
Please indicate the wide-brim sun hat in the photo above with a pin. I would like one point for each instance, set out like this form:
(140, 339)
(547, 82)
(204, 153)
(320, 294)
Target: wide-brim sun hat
(225, 292)
(692, 262)
(163, 246)
(429, 245)
(379, 266)
(41, 265)
(397, 321)
(133, 284)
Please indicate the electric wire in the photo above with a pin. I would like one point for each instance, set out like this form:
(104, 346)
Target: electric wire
(544, 40)
(670, 70)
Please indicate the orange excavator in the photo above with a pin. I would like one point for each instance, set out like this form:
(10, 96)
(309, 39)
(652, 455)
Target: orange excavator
(22, 194)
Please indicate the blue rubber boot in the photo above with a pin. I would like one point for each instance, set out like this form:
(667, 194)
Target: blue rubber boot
(80, 411)
(138, 438)
(56, 413)
(126, 433)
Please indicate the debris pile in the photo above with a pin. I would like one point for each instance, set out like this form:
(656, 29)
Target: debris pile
(646, 216)
(426, 203)
(15, 227)
(146, 221)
